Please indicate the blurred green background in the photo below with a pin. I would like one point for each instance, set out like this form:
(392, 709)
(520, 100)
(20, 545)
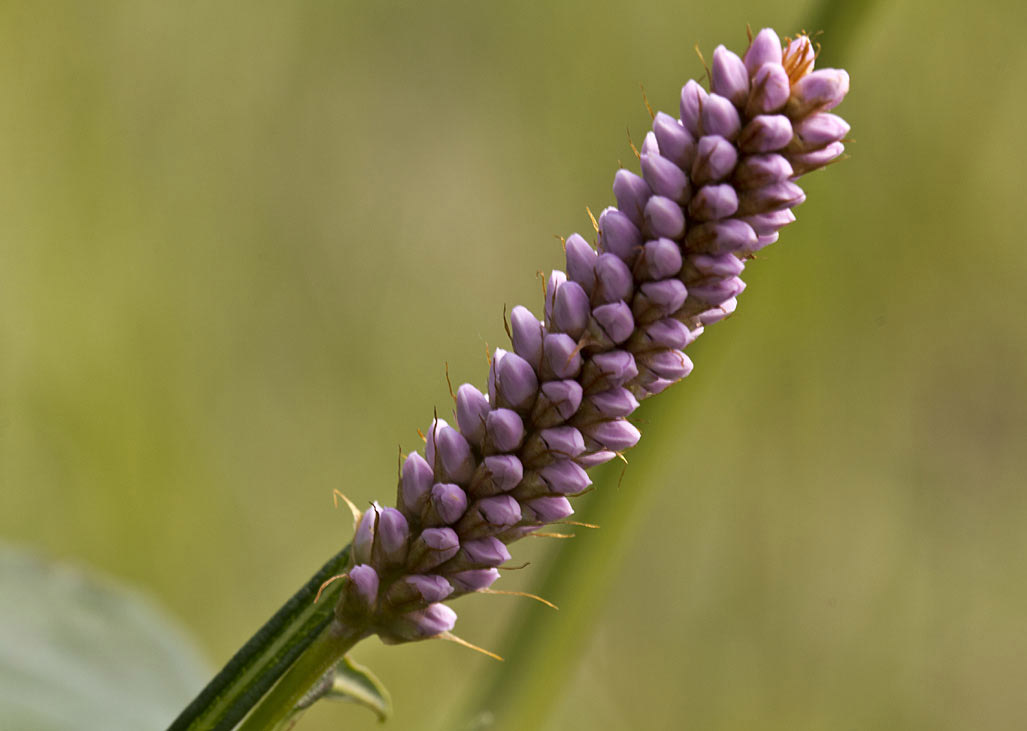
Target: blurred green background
(238, 242)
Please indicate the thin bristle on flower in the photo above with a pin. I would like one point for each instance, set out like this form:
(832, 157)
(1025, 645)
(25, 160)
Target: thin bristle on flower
(717, 184)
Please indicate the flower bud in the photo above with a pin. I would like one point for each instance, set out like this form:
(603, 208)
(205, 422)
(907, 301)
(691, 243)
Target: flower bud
(557, 402)
(718, 313)
(771, 88)
(610, 404)
(581, 261)
(482, 553)
(594, 459)
(819, 130)
(618, 235)
(544, 510)
(664, 333)
(432, 547)
(713, 202)
(693, 98)
(570, 310)
(664, 178)
(612, 324)
(770, 198)
(722, 237)
(565, 477)
(421, 624)
(649, 145)
(771, 221)
(560, 357)
(729, 77)
(471, 409)
(446, 504)
(448, 453)
(363, 538)
(819, 91)
(418, 588)
(675, 142)
(392, 532)
(656, 300)
(660, 259)
(608, 370)
(415, 483)
(716, 290)
(766, 133)
(671, 365)
(365, 583)
(755, 171)
(504, 430)
(616, 435)
(714, 160)
(513, 383)
(809, 161)
(548, 445)
(474, 580)
(719, 117)
(723, 265)
(664, 218)
(613, 280)
(526, 334)
(765, 48)
(497, 474)
(631, 193)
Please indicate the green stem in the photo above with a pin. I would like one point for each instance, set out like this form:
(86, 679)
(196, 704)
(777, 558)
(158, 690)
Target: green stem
(321, 655)
(266, 656)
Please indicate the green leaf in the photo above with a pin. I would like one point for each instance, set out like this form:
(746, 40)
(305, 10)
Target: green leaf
(78, 651)
(350, 682)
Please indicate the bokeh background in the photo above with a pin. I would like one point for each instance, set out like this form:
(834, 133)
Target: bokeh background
(239, 241)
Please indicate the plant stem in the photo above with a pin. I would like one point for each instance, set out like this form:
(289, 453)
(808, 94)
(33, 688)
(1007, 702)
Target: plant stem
(266, 656)
(331, 644)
